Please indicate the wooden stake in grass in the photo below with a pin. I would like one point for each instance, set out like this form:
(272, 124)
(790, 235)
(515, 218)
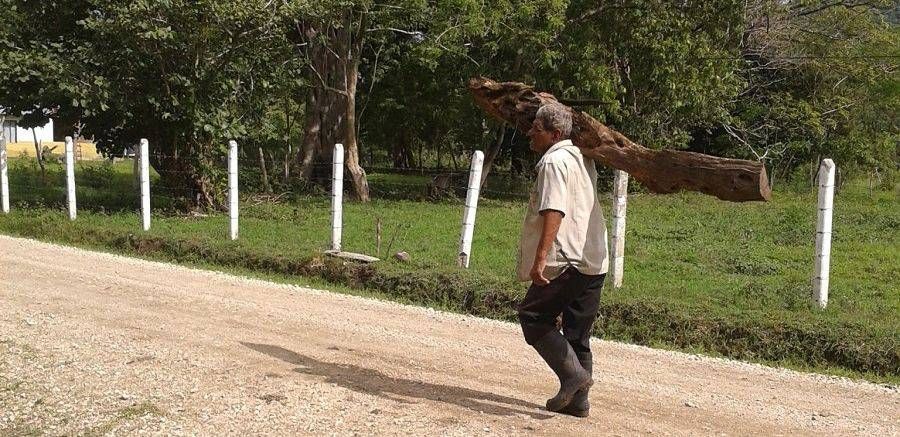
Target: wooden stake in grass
(337, 196)
(823, 233)
(617, 239)
(233, 189)
(378, 236)
(264, 174)
(468, 223)
(4, 176)
(144, 156)
(70, 178)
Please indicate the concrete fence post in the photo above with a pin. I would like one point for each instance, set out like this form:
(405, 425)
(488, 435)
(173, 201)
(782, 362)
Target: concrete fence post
(823, 233)
(144, 151)
(233, 189)
(468, 222)
(617, 241)
(70, 177)
(4, 176)
(337, 196)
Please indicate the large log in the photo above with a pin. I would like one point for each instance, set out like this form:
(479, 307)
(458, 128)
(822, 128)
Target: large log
(661, 171)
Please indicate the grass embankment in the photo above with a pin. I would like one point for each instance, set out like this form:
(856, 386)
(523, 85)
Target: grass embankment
(701, 275)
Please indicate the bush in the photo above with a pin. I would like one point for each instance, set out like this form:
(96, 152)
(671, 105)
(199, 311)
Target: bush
(97, 176)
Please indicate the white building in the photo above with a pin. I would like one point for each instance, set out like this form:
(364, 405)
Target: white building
(15, 134)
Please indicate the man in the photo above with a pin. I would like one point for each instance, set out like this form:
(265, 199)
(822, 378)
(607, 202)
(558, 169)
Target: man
(563, 252)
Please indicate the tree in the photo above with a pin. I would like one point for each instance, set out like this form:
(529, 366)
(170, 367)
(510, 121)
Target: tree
(417, 84)
(332, 46)
(820, 80)
(186, 75)
(33, 60)
(337, 36)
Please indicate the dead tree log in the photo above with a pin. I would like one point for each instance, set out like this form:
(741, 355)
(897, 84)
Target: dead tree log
(661, 171)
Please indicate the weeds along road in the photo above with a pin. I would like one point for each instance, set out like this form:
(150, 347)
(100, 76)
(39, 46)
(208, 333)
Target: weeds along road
(96, 343)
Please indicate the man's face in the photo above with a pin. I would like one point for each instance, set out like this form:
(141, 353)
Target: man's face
(541, 138)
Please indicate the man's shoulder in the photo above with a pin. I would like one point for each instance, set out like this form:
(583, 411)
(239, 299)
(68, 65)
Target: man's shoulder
(562, 156)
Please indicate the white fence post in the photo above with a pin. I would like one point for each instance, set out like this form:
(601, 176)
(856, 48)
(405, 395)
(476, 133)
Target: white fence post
(4, 176)
(823, 233)
(70, 177)
(233, 189)
(617, 242)
(468, 222)
(337, 196)
(144, 151)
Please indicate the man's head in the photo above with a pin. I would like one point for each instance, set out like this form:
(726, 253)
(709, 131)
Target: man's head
(552, 124)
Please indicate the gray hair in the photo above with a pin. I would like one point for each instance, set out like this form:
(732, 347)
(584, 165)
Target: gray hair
(556, 117)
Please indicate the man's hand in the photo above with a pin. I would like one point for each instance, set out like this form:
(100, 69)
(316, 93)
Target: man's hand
(552, 220)
(537, 272)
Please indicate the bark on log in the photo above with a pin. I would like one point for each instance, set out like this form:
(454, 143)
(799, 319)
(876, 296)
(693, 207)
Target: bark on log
(661, 171)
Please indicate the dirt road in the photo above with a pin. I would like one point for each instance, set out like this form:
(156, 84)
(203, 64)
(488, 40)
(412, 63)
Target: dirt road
(93, 343)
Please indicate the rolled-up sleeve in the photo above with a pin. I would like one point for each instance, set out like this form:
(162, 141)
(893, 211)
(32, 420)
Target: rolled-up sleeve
(552, 188)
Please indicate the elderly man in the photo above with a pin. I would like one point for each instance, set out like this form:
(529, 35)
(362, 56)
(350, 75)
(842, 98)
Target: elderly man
(563, 252)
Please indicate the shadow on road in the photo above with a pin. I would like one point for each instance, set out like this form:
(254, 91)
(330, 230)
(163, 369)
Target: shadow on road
(363, 380)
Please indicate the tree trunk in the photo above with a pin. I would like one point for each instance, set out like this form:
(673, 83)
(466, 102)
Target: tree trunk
(264, 175)
(39, 155)
(136, 170)
(661, 171)
(440, 151)
(286, 163)
(184, 177)
(493, 151)
(288, 152)
(311, 132)
(453, 162)
(351, 147)
(400, 153)
(333, 50)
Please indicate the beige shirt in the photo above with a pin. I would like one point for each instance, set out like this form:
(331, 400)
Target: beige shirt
(566, 182)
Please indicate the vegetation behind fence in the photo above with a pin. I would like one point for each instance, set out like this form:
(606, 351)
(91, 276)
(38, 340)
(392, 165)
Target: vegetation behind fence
(700, 274)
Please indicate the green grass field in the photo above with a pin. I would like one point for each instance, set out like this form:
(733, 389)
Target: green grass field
(700, 274)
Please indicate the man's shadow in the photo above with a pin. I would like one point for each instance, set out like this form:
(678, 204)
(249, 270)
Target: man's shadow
(363, 380)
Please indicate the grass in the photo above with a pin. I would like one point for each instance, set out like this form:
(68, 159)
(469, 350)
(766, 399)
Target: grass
(701, 275)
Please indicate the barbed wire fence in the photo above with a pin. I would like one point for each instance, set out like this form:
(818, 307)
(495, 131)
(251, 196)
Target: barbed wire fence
(98, 188)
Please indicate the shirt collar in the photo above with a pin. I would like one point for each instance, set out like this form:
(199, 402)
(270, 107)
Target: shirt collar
(553, 148)
(558, 146)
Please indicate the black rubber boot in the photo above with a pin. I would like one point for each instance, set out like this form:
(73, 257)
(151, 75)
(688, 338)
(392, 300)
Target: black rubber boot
(558, 353)
(580, 405)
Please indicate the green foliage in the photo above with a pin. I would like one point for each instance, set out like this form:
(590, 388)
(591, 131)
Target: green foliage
(821, 81)
(784, 82)
(662, 68)
(186, 75)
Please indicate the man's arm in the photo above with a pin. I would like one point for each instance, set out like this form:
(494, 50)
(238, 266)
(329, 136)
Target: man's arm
(550, 228)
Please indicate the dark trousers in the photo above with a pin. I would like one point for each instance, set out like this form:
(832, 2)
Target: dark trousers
(574, 295)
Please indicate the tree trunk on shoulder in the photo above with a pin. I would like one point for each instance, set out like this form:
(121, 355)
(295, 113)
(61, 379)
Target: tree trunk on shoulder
(661, 171)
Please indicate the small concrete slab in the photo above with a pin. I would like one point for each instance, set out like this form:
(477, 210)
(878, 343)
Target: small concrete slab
(352, 256)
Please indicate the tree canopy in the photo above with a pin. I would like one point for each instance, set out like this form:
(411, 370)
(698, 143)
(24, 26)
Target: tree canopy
(784, 82)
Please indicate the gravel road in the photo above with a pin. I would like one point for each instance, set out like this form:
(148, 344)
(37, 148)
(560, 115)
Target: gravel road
(93, 343)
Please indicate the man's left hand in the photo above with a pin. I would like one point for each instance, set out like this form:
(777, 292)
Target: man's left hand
(537, 273)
